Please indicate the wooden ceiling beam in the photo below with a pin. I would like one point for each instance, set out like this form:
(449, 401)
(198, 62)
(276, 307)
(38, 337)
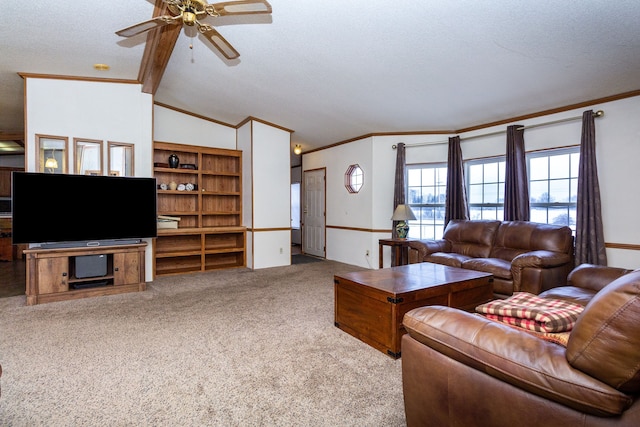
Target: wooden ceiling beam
(160, 44)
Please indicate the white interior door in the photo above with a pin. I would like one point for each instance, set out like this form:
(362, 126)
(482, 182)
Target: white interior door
(314, 213)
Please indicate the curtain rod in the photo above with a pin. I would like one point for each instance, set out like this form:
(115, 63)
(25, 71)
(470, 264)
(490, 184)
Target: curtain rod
(598, 113)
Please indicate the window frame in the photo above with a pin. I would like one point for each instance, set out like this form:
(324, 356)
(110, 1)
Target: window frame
(354, 178)
(496, 207)
(571, 206)
(418, 226)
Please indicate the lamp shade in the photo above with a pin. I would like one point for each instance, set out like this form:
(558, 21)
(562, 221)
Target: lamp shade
(51, 163)
(403, 213)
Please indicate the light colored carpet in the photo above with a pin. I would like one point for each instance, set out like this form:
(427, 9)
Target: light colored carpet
(226, 348)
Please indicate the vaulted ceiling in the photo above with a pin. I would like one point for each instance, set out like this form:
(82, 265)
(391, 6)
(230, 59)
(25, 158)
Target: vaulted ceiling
(333, 70)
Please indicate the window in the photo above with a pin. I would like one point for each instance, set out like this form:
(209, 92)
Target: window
(51, 153)
(485, 186)
(353, 178)
(553, 186)
(426, 195)
(120, 159)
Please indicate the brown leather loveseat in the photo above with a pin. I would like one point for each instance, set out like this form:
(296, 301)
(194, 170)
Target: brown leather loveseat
(521, 255)
(461, 369)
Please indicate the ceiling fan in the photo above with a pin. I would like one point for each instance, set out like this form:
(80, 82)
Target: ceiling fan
(191, 12)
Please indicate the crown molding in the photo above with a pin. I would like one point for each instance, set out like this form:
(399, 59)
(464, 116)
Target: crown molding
(583, 104)
(570, 107)
(77, 78)
(255, 119)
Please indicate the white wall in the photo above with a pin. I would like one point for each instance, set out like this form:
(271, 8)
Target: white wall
(93, 110)
(105, 111)
(244, 141)
(266, 193)
(366, 216)
(179, 128)
(349, 216)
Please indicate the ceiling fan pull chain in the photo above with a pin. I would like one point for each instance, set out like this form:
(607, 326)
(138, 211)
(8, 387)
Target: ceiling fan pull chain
(193, 54)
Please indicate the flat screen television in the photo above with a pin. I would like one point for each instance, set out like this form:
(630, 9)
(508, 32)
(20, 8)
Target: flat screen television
(56, 210)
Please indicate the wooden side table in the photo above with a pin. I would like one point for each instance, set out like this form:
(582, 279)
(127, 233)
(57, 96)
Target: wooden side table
(399, 250)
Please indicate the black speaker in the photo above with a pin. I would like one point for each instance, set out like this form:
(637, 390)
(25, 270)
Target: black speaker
(91, 266)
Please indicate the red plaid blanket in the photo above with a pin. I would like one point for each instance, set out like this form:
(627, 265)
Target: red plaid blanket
(528, 311)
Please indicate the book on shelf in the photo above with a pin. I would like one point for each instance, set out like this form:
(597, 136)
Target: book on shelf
(167, 225)
(168, 222)
(168, 218)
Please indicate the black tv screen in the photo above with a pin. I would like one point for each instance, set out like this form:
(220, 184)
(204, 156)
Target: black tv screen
(87, 209)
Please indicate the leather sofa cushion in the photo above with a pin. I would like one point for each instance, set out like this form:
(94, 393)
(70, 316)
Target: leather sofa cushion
(575, 294)
(513, 356)
(498, 267)
(451, 259)
(594, 277)
(471, 238)
(605, 342)
(517, 237)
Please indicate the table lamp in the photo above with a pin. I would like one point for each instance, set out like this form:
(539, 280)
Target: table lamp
(402, 214)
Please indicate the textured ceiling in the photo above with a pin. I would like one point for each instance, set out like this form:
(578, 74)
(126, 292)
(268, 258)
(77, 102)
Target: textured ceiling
(332, 70)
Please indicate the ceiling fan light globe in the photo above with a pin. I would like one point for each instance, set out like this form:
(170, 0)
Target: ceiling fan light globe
(189, 18)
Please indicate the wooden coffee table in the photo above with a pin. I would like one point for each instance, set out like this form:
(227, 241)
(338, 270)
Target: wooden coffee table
(370, 304)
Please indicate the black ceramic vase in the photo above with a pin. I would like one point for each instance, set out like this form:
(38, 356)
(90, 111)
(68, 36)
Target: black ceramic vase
(174, 161)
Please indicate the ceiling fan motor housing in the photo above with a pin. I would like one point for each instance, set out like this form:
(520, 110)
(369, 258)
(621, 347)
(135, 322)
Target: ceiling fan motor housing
(190, 10)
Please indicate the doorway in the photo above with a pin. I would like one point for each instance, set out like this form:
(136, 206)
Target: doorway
(314, 219)
(12, 263)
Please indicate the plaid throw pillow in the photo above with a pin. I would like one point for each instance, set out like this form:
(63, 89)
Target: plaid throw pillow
(528, 311)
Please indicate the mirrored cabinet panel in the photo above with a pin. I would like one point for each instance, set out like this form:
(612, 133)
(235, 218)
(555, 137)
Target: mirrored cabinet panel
(88, 156)
(120, 159)
(51, 153)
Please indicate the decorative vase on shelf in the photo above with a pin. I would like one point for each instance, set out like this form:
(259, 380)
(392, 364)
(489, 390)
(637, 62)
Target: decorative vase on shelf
(174, 161)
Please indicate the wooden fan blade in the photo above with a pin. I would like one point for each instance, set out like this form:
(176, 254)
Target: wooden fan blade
(240, 7)
(141, 27)
(220, 43)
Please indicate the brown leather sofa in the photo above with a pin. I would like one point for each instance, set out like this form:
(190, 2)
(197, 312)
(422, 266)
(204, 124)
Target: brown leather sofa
(461, 369)
(521, 255)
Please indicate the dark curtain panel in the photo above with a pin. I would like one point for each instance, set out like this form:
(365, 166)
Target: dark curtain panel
(398, 189)
(456, 201)
(516, 185)
(590, 247)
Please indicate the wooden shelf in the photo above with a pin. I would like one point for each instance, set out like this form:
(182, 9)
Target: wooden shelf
(209, 233)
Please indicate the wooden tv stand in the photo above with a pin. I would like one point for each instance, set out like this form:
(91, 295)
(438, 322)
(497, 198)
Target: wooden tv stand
(51, 273)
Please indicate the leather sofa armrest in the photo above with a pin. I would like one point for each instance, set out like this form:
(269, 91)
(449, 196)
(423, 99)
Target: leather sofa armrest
(540, 259)
(514, 356)
(427, 247)
(594, 277)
